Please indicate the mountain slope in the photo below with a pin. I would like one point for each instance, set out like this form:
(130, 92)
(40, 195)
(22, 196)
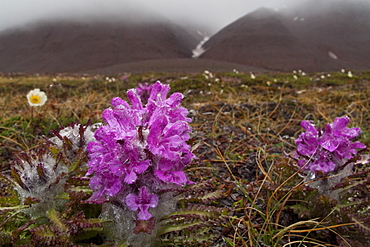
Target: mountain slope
(311, 38)
(260, 39)
(77, 46)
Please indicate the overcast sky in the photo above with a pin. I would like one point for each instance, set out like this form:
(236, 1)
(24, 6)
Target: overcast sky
(214, 14)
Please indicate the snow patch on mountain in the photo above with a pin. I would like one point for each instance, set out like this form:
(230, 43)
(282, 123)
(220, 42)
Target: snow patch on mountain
(199, 50)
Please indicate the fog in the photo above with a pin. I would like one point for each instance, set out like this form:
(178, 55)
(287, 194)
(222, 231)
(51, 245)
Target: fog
(211, 15)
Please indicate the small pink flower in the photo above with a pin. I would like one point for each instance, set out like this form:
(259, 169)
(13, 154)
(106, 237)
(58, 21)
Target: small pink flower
(325, 150)
(143, 202)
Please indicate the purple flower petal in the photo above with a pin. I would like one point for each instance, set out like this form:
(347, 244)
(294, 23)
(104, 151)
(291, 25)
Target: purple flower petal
(134, 99)
(116, 101)
(131, 201)
(309, 128)
(143, 202)
(130, 177)
(143, 91)
(176, 177)
(339, 127)
(141, 167)
(330, 144)
(159, 92)
(174, 100)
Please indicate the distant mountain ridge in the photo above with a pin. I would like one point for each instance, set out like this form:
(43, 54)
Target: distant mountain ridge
(76, 46)
(311, 38)
(315, 36)
(261, 39)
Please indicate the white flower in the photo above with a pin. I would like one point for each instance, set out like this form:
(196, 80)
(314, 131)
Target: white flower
(36, 97)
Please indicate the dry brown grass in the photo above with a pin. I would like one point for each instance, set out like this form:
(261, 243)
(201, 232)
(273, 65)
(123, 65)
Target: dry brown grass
(242, 127)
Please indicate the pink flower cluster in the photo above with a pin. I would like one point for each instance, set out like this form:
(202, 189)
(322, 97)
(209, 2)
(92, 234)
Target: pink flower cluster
(141, 147)
(328, 149)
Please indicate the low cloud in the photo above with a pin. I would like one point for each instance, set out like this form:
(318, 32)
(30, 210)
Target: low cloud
(212, 15)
